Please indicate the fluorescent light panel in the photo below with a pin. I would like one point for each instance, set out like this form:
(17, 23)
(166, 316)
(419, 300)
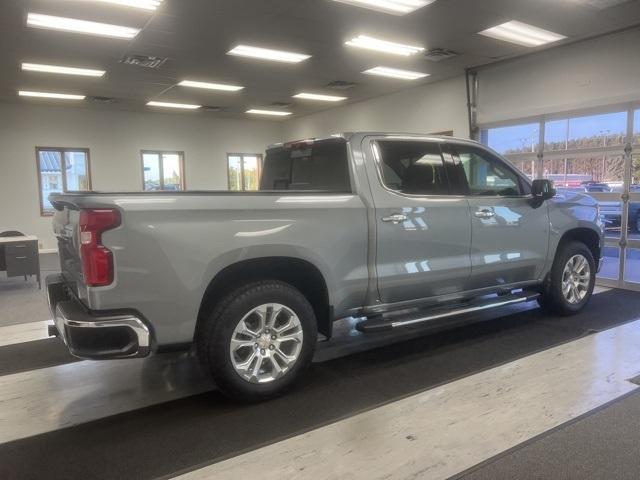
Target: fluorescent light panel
(522, 34)
(210, 86)
(173, 105)
(62, 96)
(370, 43)
(80, 26)
(277, 113)
(395, 7)
(317, 96)
(395, 73)
(267, 54)
(35, 67)
(143, 4)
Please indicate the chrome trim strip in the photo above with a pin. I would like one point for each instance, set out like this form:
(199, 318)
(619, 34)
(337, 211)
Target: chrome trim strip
(461, 311)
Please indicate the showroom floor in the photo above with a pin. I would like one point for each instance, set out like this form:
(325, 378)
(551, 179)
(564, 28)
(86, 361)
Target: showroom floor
(519, 395)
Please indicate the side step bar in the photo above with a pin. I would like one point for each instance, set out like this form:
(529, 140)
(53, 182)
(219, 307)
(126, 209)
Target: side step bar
(385, 324)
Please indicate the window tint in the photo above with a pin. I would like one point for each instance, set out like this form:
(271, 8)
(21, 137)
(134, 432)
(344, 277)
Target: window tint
(485, 174)
(412, 167)
(320, 165)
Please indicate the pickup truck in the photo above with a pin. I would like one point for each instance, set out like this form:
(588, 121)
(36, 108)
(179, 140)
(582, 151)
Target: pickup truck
(389, 229)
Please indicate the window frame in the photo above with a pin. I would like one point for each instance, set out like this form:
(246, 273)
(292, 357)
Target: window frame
(377, 155)
(491, 157)
(183, 181)
(243, 188)
(61, 151)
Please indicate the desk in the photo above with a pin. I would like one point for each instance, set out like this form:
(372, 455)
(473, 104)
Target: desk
(19, 256)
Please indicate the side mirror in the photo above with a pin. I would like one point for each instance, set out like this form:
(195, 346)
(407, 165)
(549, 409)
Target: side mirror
(541, 190)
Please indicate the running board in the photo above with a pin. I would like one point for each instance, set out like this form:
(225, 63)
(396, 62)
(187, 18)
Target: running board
(385, 324)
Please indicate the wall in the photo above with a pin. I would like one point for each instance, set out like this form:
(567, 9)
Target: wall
(115, 140)
(433, 107)
(598, 72)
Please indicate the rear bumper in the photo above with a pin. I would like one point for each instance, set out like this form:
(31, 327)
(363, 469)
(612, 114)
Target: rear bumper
(94, 336)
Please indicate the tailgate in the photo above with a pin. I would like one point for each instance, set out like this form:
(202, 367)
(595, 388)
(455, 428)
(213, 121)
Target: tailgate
(66, 228)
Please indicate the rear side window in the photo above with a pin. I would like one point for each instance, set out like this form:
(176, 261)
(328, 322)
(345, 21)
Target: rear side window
(412, 167)
(320, 165)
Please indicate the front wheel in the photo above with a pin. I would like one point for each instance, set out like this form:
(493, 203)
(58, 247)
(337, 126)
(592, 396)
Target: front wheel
(571, 280)
(258, 340)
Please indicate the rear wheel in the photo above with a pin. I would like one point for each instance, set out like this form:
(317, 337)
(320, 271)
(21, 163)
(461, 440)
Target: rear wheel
(258, 340)
(571, 280)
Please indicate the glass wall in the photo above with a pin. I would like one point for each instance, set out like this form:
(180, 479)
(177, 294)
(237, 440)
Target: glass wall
(586, 153)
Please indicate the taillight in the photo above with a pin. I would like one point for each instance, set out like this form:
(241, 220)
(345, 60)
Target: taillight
(97, 260)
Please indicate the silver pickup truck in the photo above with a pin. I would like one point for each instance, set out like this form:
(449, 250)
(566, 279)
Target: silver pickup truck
(390, 229)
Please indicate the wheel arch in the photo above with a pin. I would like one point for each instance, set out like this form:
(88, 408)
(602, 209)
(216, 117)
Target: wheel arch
(300, 273)
(588, 236)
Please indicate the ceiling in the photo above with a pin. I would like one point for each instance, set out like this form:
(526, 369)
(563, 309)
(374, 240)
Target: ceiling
(196, 34)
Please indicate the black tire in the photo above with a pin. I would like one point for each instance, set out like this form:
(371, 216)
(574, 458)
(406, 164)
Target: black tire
(552, 298)
(213, 340)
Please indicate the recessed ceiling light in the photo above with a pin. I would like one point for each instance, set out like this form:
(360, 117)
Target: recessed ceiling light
(144, 4)
(173, 105)
(371, 43)
(316, 96)
(395, 73)
(277, 113)
(80, 26)
(522, 34)
(210, 86)
(35, 67)
(395, 7)
(267, 54)
(62, 96)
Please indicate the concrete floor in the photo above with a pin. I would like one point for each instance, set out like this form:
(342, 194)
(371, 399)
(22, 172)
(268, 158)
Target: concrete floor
(21, 301)
(428, 406)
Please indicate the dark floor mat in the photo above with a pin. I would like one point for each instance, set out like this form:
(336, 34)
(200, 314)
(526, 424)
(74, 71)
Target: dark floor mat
(190, 432)
(604, 444)
(22, 357)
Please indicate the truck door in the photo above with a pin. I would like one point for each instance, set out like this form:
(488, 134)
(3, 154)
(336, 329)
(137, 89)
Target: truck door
(423, 234)
(510, 235)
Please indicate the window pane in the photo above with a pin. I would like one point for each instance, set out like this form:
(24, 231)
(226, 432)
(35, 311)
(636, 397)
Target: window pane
(526, 166)
(320, 165)
(486, 175)
(610, 263)
(171, 171)
(592, 131)
(235, 172)
(251, 172)
(632, 265)
(513, 139)
(76, 171)
(50, 163)
(151, 167)
(413, 167)
(636, 127)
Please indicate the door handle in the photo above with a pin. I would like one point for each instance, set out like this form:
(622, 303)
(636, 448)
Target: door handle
(396, 218)
(485, 213)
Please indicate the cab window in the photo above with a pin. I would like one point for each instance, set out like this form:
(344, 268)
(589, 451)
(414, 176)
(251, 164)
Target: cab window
(484, 174)
(412, 167)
